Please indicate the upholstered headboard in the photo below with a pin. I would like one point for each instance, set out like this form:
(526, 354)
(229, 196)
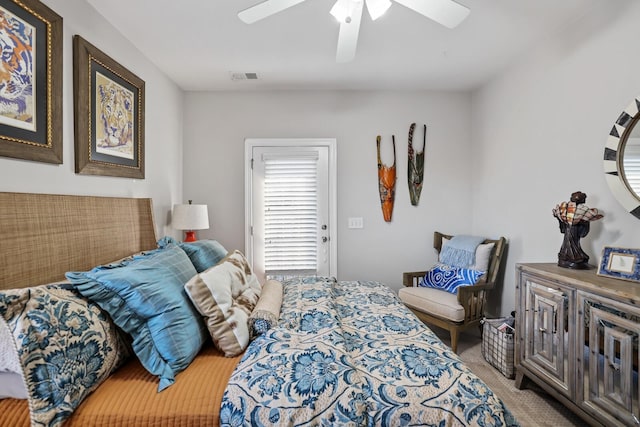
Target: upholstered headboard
(42, 236)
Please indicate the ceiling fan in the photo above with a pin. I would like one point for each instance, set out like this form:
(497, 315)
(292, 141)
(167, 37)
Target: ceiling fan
(349, 14)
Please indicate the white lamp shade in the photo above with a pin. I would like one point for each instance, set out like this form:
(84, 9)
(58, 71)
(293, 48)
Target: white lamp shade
(190, 217)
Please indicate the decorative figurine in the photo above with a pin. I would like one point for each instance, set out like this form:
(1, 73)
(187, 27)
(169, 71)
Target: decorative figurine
(415, 171)
(387, 181)
(574, 218)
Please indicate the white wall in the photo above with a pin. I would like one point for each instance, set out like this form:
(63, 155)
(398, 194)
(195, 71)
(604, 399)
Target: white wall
(539, 132)
(164, 103)
(497, 161)
(216, 125)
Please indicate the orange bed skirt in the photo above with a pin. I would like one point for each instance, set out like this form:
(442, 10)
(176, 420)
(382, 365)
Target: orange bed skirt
(129, 397)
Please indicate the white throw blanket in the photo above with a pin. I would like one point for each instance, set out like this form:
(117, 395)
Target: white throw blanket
(460, 251)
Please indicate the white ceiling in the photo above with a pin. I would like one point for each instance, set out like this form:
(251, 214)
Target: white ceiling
(198, 43)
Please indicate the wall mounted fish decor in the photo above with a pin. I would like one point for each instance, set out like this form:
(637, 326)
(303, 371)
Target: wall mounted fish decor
(387, 181)
(415, 171)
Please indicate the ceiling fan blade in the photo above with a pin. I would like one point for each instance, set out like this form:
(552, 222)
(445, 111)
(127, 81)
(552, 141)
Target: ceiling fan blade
(348, 36)
(445, 12)
(265, 9)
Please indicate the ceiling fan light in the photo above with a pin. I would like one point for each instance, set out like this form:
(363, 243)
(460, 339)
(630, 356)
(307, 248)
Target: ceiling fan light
(377, 8)
(341, 10)
(344, 10)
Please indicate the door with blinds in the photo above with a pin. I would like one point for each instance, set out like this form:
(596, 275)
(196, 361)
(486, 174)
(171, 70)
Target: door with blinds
(289, 223)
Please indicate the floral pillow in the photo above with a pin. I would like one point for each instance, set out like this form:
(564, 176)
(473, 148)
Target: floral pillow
(449, 278)
(66, 344)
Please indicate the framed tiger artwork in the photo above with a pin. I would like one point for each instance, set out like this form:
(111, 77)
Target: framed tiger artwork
(30, 81)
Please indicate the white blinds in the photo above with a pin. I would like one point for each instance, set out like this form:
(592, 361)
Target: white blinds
(631, 160)
(290, 213)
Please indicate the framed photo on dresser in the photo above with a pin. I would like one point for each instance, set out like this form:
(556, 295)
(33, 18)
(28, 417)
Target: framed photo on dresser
(620, 263)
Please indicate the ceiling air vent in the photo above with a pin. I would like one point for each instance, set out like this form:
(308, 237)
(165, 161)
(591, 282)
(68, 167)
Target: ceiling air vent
(243, 76)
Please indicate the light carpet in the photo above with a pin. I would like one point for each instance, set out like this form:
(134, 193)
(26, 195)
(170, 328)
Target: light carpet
(531, 406)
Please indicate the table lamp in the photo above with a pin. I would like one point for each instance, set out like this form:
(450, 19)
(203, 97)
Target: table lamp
(189, 218)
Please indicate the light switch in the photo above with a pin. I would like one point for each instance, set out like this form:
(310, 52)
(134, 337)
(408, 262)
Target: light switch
(356, 222)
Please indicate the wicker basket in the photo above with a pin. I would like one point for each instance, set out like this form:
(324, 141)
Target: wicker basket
(498, 343)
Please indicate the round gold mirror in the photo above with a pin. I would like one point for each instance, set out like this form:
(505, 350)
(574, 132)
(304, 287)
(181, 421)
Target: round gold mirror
(622, 158)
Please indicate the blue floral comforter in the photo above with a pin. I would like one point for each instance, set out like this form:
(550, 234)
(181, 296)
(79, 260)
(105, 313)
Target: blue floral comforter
(352, 353)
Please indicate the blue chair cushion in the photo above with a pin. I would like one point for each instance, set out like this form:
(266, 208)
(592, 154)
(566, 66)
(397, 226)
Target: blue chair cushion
(449, 278)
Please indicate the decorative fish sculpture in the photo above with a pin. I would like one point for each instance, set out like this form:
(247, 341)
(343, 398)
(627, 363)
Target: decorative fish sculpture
(415, 171)
(387, 181)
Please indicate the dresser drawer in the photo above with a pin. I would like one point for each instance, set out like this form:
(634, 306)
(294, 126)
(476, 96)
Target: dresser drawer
(546, 336)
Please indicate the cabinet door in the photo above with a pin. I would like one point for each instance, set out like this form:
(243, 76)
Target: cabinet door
(546, 350)
(608, 373)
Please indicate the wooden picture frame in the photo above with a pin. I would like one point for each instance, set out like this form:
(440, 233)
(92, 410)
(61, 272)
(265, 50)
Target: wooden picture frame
(620, 263)
(31, 82)
(109, 115)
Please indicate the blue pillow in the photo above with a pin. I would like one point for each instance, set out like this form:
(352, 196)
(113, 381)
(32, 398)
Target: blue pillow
(449, 278)
(204, 253)
(145, 297)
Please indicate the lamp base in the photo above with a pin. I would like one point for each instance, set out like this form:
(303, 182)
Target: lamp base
(190, 236)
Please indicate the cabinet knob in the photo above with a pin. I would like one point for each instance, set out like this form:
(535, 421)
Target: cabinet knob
(543, 330)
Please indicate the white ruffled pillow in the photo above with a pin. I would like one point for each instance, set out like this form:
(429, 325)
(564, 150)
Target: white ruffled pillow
(11, 382)
(9, 361)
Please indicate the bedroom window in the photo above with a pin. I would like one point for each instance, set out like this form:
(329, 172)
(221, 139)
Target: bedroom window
(289, 201)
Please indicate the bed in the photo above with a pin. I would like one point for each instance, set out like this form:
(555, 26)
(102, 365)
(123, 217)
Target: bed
(340, 352)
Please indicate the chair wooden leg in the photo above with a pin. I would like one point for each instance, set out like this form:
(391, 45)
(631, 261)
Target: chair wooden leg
(454, 339)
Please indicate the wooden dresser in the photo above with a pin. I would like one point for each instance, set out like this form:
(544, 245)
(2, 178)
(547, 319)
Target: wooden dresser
(577, 337)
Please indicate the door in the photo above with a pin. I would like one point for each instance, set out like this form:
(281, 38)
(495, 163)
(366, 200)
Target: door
(289, 221)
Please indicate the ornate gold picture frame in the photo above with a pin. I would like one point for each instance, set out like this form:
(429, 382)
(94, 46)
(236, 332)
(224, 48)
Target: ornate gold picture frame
(109, 114)
(31, 81)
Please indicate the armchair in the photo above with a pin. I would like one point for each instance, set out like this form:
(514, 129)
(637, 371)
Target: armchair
(454, 312)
